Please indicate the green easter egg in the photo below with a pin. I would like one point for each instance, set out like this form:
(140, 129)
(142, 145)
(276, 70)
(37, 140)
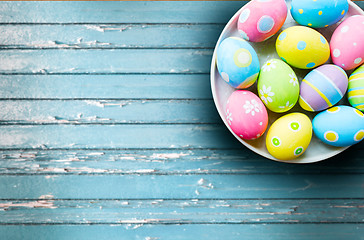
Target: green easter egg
(278, 86)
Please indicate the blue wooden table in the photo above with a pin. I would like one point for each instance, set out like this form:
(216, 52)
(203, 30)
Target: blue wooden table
(108, 131)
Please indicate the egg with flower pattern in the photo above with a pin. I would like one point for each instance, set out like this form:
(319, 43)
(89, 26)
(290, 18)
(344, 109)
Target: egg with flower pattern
(339, 126)
(246, 115)
(278, 86)
(289, 136)
(237, 62)
(302, 47)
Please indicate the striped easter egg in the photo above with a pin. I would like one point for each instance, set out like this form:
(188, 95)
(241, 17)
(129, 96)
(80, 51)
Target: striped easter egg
(323, 87)
(356, 88)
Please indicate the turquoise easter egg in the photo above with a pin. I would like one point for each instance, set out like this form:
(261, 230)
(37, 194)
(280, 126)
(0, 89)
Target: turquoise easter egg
(339, 126)
(318, 13)
(237, 62)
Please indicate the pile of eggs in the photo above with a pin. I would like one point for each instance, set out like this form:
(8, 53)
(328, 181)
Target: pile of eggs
(278, 88)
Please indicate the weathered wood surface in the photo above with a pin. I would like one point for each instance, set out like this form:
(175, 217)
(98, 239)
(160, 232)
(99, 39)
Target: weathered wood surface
(140, 186)
(102, 61)
(108, 111)
(166, 162)
(108, 130)
(161, 211)
(106, 86)
(113, 12)
(77, 36)
(187, 231)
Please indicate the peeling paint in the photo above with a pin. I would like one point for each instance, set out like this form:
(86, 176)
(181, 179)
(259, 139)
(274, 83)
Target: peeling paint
(151, 238)
(95, 27)
(205, 184)
(105, 103)
(168, 155)
(145, 170)
(103, 28)
(34, 204)
(46, 196)
(309, 185)
(96, 154)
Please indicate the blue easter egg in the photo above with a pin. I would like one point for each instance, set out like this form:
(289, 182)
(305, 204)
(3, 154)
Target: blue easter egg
(339, 126)
(237, 62)
(318, 13)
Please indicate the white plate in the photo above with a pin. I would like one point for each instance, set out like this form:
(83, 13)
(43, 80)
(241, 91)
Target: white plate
(317, 150)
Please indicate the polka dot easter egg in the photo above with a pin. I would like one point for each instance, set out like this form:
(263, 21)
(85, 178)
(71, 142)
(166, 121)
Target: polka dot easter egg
(278, 86)
(339, 126)
(261, 19)
(347, 43)
(237, 62)
(318, 14)
(356, 88)
(323, 87)
(302, 47)
(246, 114)
(289, 136)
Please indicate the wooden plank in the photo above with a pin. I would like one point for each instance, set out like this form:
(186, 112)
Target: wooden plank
(137, 86)
(187, 231)
(213, 186)
(116, 136)
(159, 211)
(108, 111)
(109, 36)
(167, 162)
(106, 61)
(118, 12)
(122, 12)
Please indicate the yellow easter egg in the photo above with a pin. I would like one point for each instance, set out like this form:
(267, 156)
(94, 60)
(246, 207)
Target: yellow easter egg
(302, 47)
(289, 136)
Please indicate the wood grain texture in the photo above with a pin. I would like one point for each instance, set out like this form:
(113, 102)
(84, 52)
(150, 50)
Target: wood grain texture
(166, 162)
(116, 12)
(153, 61)
(19, 36)
(106, 86)
(159, 211)
(116, 136)
(215, 186)
(187, 231)
(108, 111)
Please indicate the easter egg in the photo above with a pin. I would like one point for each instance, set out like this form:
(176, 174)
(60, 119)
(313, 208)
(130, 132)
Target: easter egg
(318, 14)
(302, 47)
(278, 86)
(339, 126)
(246, 114)
(323, 87)
(237, 62)
(289, 136)
(261, 19)
(347, 44)
(356, 88)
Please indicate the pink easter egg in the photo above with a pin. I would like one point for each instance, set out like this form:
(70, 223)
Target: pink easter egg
(347, 43)
(261, 19)
(246, 114)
